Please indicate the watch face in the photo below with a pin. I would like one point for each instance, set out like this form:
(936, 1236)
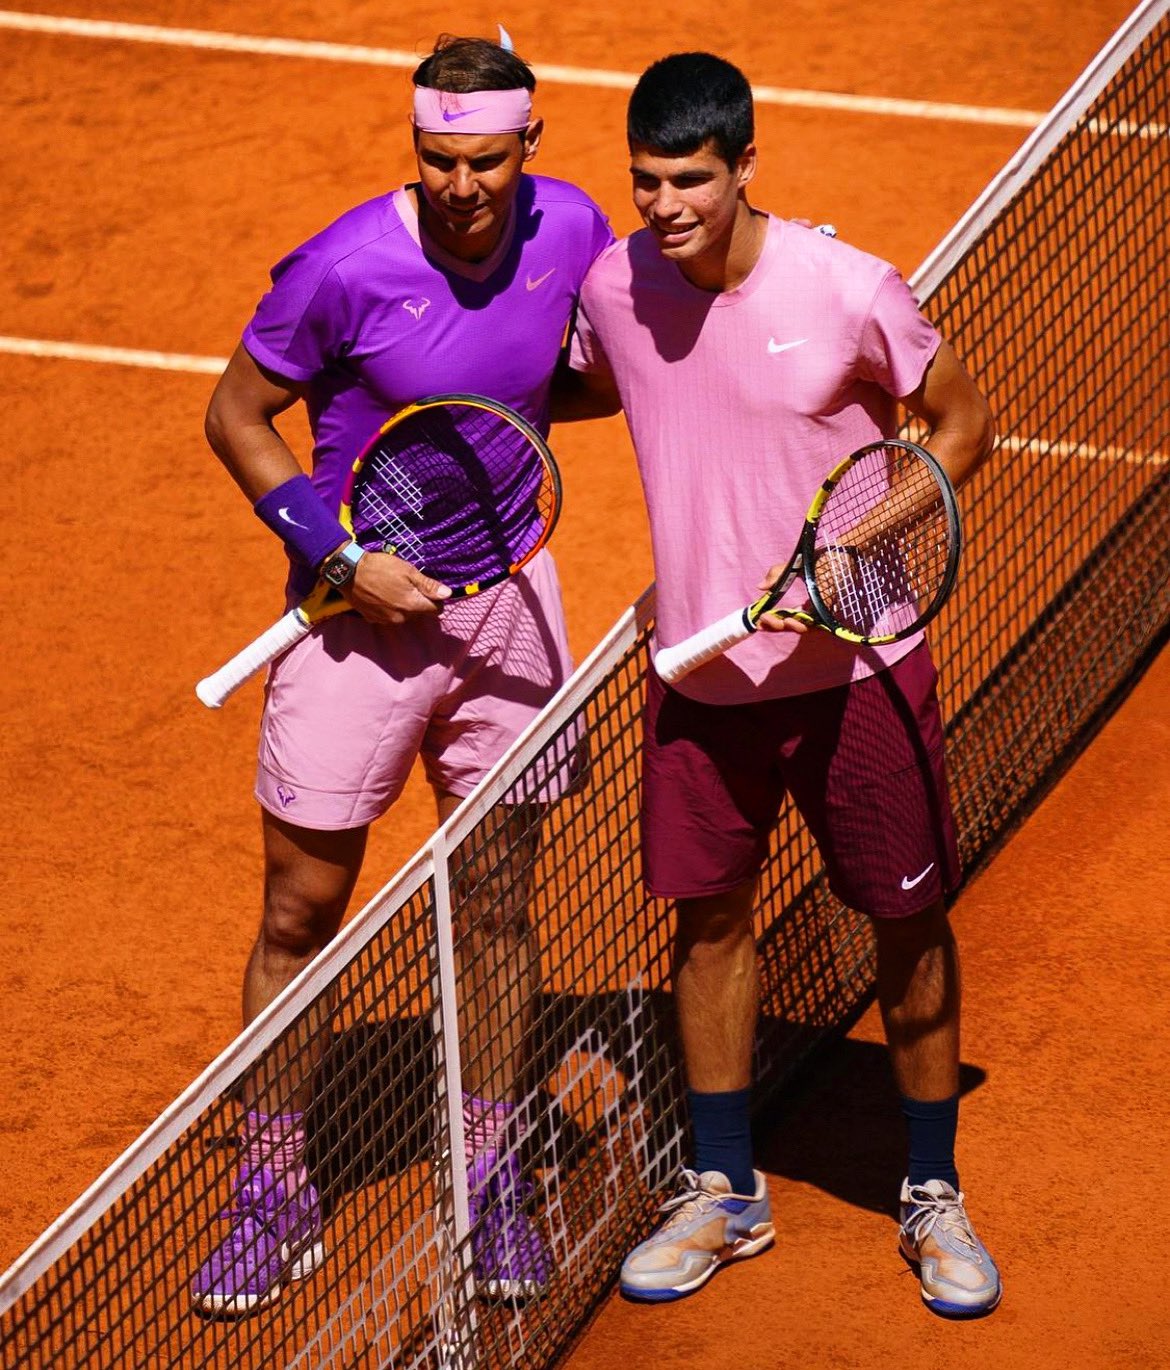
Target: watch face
(337, 570)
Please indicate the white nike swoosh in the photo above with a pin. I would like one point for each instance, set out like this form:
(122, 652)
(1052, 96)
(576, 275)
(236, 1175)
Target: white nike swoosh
(774, 346)
(540, 280)
(908, 884)
(288, 518)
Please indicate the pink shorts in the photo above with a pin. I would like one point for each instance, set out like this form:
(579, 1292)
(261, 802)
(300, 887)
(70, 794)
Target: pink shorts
(350, 707)
(862, 762)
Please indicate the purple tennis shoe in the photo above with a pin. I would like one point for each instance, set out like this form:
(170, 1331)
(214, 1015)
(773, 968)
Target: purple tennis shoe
(510, 1260)
(274, 1236)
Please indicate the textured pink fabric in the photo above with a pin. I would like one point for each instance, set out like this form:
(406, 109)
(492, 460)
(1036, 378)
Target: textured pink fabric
(336, 746)
(739, 404)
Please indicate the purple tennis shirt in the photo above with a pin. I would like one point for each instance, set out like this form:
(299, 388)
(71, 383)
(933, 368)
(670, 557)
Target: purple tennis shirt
(370, 314)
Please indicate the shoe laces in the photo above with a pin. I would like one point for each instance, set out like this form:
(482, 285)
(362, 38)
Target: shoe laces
(939, 1213)
(498, 1193)
(246, 1224)
(251, 1210)
(691, 1192)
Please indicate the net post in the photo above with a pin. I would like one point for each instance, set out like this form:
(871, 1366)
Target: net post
(449, 1072)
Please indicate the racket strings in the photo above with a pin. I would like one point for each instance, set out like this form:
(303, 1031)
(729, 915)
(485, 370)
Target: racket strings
(882, 547)
(384, 517)
(458, 491)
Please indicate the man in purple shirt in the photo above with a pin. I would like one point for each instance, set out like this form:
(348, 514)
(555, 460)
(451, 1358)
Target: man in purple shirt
(462, 282)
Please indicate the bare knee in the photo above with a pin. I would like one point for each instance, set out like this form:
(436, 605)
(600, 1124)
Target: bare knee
(308, 879)
(922, 939)
(295, 927)
(716, 923)
(494, 915)
(492, 892)
(917, 959)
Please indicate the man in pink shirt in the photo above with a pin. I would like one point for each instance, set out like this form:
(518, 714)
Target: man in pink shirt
(749, 356)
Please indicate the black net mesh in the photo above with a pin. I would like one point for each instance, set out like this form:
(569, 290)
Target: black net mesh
(1059, 309)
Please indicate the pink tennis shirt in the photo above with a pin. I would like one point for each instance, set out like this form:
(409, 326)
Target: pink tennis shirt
(739, 404)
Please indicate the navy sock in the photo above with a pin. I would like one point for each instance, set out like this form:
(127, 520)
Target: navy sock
(932, 1127)
(723, 1136)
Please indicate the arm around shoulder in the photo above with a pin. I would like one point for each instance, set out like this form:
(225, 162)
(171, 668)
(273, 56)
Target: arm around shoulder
(577, 395)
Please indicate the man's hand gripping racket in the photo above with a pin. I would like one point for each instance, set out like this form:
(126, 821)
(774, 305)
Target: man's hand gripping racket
(459, 486)
(878, 555)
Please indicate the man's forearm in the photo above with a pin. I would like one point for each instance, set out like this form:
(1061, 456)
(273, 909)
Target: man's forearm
(577, 395)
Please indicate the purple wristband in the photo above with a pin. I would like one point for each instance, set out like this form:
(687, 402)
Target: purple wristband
(298, 515)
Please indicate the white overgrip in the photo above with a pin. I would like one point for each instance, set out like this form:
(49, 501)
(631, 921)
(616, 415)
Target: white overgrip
(672, 663)
(218, 686)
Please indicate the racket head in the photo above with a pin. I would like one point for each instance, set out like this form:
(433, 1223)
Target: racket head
(460, 486)
(881, 544)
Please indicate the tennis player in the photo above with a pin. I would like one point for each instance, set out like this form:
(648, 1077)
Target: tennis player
(461, 282)
(749, 357)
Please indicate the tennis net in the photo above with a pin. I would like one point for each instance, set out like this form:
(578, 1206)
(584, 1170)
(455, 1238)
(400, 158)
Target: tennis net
(1053, 289)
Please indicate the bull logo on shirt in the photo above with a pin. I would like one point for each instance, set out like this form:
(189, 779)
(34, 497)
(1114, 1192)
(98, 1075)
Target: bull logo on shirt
(416, 307)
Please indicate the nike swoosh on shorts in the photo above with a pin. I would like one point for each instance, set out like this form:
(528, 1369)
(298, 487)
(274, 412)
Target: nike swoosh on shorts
(908, 883)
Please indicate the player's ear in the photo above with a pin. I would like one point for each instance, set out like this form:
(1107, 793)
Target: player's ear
(531, 137)
(745, 167)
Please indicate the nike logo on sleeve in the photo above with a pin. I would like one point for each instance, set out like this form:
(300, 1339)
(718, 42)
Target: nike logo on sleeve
(774, 346)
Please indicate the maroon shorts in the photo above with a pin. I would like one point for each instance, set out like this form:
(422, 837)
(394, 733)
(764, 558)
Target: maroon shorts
(862, 762)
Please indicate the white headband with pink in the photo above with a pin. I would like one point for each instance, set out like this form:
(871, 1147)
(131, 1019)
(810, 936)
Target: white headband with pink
(475, 111)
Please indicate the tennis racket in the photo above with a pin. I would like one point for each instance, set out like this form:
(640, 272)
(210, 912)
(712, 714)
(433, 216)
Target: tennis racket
(878, 554)
(462, 487)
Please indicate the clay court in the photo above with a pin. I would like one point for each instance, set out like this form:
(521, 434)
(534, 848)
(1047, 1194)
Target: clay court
(149, 188)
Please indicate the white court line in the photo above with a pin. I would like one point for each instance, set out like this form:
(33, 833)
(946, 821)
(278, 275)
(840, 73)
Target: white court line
(1039, 447)
(213, 366)
(115, 356)
(555, 75)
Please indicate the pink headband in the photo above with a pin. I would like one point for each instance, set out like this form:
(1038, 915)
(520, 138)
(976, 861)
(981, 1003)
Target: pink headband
(475, 111)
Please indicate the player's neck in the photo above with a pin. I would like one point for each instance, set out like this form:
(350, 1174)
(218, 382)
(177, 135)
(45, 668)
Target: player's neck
(731, 261)
(471, 248)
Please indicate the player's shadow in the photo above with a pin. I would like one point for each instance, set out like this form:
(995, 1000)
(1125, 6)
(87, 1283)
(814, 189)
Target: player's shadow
(375, 1103)
(838, 1125)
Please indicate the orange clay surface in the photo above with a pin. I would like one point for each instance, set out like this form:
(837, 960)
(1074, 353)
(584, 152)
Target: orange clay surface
(147, 191)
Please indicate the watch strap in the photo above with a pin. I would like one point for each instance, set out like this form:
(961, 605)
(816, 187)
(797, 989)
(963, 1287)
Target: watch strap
(338, 569)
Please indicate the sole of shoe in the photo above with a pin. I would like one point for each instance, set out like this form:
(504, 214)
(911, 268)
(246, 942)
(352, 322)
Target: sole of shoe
(738, 1251)
(510, 1291)
(299, 1264)
(233, 1305)
(941, 1307)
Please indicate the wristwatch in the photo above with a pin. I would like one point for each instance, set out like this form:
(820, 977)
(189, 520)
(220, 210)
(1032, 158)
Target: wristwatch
(338, 569)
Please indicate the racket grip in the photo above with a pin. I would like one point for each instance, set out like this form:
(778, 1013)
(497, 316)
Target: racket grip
(672, 663)
(217, 687)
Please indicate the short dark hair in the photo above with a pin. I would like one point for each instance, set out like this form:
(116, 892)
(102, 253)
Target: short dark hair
(688, 99)
(466, 64)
